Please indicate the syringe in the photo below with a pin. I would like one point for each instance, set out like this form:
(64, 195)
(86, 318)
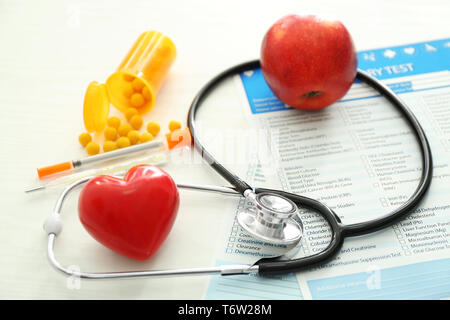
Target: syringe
(69, 167)
(112, 161)
(116, 169)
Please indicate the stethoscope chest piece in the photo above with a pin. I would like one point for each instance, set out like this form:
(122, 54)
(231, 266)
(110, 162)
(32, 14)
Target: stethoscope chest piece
(272, 219)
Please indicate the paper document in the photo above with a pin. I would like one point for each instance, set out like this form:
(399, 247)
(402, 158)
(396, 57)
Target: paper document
(360, 158)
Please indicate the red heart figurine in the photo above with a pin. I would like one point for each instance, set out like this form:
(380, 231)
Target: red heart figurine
(132, 216)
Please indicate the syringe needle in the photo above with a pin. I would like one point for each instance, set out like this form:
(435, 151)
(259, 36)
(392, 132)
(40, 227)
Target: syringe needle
(35, 189)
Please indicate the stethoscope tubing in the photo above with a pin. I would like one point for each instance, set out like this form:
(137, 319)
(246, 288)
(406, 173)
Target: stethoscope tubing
(54, 227)
(338, 230)
(266, 266)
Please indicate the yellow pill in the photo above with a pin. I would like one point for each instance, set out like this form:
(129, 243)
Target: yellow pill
(124, 129)
(130, 112)
(128, 77)
(84, 138)
(146, 93)
(137, 100)
(146, 137)
(92, 148)
(134, 136)
(174, 125)
(113, 122)
(153, 128)
(110, 133)
(128, 90)
(136, 121)
(109, 146)
(137, 84)
(123, 142)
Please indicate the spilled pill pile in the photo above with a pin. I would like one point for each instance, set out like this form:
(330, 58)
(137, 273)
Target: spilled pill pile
(120, 134)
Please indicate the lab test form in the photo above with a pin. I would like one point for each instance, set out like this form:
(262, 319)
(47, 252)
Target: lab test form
(359, 157)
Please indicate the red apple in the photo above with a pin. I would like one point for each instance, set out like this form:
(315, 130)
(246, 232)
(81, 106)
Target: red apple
(308, 62)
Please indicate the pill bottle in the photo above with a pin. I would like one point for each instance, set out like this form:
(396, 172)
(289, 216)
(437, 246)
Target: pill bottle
(134, 84)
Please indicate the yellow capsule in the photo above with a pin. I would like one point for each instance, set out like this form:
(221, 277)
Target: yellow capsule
(134, 136)
(128, 90)
(84, 138)
(146, 137)
(136, 121)
(110, 133)
(174, 125)
(130, 112)
(113, 122)
(123, 142)
(109, 146)
(124, 129)
(137, 100)
(92, 148)
(137, 84)
(153, 127)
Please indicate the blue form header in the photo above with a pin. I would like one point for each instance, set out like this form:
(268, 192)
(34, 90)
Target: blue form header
(406, 60)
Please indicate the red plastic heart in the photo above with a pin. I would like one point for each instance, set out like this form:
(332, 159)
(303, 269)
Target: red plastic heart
(132, 216)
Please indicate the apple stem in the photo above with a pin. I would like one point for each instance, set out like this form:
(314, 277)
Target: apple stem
(312, 94)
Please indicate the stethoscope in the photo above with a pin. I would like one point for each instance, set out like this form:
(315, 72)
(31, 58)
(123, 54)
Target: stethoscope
(273, 215)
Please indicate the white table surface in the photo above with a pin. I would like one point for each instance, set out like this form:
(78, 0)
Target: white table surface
(51, 50)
